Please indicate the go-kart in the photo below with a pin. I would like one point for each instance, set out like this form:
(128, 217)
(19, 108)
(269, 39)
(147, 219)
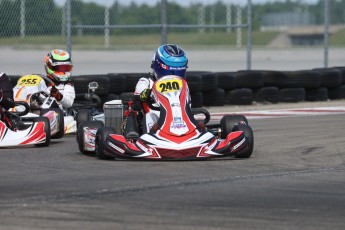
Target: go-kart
(42, 104)
(178, 134)
(18, 131)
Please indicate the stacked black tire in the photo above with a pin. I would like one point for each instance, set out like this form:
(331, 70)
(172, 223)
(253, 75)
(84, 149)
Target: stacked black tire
(231, 88)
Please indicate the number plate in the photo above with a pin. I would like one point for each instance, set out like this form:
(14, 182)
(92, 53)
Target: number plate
(168, 86)
(29, 80)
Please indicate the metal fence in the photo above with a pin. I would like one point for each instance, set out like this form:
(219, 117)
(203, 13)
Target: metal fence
(230, 34)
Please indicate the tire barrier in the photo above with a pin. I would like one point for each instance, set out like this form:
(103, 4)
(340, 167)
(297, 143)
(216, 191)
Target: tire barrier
(241, 87)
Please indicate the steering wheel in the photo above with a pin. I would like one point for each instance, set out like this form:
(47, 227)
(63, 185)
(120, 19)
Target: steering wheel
(204, 112)
(21, 104)
(36, 97)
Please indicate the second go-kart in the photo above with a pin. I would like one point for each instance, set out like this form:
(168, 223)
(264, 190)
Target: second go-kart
(178, 135)
(19, 131)
(29, 90)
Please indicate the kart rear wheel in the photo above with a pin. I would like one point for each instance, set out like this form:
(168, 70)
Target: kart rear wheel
(61, 128)
(101, 136)
(46, 130)
(228, 122)
(80, 134)
(83, 115)
(248, 132)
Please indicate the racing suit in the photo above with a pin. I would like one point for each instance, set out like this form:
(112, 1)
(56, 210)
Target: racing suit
(150, 116)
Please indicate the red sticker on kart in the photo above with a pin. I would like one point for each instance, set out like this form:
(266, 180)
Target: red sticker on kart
(29, 80)
(168, 86)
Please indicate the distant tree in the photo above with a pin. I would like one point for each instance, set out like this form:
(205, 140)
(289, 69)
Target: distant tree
(9, 18)
(42, 17)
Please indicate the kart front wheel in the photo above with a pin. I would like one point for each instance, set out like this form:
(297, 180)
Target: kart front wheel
(80, 134)
(228, 122)
(46, 130)
(101, 137)
(248, 132)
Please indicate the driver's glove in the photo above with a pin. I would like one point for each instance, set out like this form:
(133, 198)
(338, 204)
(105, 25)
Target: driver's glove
(145, 94)
(56, 93)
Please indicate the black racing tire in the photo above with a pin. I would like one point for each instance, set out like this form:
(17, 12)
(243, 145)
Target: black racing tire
(209, 81)
(248, 79)
(337, 93)
(302, 79)
(267, 94)
(83, 115)
(215, 97)
(341, 69)
(226, 80)
(292, 94)
(61, 131)
(194, 82)
(101, 136)
(318, 94)
(272, 78)
(80, 134)
(46, 130)
(228, 122)
(197, 99)
(242, 96)
(248, 132)
(330, 78)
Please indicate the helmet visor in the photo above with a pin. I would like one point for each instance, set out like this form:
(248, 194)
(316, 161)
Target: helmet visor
(63, 68)
(60, 68)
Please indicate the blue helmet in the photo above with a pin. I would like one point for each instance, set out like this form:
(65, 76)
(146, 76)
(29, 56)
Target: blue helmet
(169, 59)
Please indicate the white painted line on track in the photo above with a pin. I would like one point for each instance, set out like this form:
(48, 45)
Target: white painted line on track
(284, 112)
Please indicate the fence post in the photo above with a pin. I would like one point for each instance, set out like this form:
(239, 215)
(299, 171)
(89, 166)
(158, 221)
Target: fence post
(69, 27)
(22, 18)
(164, 17)
(326, 32)
(106, 25)
(249, 35)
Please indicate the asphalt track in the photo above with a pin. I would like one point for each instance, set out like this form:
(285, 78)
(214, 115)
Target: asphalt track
(294, 180)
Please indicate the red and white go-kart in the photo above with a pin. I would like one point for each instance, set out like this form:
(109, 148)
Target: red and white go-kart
(178, 134)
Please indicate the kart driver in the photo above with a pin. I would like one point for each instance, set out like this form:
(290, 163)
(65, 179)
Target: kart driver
(169, 59)
(58, 66)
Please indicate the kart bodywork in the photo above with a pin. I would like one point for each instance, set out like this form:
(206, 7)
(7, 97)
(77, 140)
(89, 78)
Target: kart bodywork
(178, 135)
(36, 131)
